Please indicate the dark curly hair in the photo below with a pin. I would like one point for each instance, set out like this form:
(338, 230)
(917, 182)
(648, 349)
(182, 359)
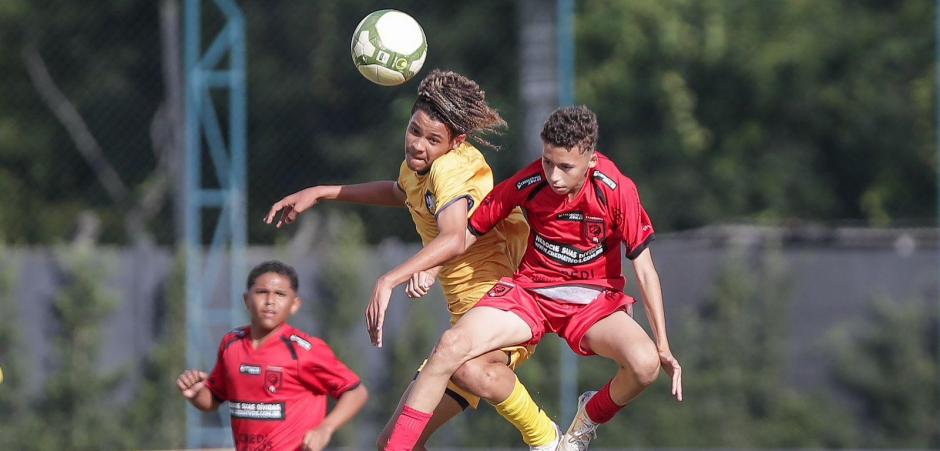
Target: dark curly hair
(571, 126)
(277, 268)
(459, 103)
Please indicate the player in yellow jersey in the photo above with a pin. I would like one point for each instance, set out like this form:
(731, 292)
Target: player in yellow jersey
(441, 182)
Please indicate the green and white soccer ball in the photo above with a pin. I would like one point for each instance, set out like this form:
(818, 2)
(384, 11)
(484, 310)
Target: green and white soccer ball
(388, 47)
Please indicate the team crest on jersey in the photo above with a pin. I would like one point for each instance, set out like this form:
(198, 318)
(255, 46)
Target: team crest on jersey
(528, 181)
(430, 201)
(593, 229)
(605, 179)
(273, 377)
(500, 289)
(301, 342)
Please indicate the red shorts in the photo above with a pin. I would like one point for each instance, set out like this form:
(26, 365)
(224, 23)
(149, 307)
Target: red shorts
(544, 315)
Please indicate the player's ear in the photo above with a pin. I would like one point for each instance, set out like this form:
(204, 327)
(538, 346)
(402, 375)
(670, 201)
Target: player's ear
(458, 140)
(295, 306)
(245, 299)
(593, 159)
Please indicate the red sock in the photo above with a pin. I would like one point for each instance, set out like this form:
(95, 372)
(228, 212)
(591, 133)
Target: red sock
(407, 430)
(601, 408)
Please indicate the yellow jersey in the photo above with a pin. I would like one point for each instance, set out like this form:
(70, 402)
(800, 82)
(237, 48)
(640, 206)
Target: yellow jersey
(463, 173)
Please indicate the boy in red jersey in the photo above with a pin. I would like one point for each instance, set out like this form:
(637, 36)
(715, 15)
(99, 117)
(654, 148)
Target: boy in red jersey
(582, 210)
(276, 378)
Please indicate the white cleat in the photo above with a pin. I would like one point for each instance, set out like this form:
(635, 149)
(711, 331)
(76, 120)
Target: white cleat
(550, 446)
(582, 429)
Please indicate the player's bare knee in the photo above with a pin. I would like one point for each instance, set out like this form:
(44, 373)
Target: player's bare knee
(476, 377)
(645, 368)
(453, 347)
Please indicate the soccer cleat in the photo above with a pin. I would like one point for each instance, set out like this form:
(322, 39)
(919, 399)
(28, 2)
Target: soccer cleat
(582, 429)
(550, 446)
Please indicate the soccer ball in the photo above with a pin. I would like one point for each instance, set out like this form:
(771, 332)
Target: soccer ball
(388, 47)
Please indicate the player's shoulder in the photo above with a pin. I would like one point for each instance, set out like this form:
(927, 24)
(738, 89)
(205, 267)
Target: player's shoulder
(302, 340)
(528, 176)
(465, 158)
(608, 175)
(234, 335)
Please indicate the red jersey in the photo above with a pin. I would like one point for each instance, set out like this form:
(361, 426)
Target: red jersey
(277, 393)
(571, 241)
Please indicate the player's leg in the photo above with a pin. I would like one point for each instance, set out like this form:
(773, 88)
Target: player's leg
(448, 408)
(491, 377)
(481, 330)
(619, 338)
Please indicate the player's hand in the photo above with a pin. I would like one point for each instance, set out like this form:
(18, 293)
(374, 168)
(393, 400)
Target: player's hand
(671, 365)
(292, 206)
(191, 382)
(317, 439)
(375, 312)
(420, 283)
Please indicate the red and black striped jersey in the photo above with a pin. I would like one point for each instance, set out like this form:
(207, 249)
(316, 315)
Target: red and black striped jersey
(571, 241)
(278, 392)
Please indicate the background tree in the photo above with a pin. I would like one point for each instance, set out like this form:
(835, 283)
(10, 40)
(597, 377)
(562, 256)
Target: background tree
(888, 366)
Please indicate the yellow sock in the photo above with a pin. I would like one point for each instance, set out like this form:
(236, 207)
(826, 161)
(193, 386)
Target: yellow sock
(520, 410)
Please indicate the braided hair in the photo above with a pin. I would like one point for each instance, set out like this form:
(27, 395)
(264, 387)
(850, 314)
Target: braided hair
(459, 103)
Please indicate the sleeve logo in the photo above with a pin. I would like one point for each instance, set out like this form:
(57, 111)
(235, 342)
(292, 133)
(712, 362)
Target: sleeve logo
(430, 202)
(529, 181)
(605, 179)
(301, 342)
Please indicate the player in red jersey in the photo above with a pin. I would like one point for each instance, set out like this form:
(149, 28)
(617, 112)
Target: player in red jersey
(582, 211)
(276, 378)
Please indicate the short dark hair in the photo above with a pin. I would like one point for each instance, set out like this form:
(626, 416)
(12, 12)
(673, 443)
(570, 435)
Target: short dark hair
(276, 267)
(459, 103)
(571, 126)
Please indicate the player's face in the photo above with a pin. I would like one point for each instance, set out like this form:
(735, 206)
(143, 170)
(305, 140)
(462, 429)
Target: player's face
(426, 139)
(270, 301)
(566, 169)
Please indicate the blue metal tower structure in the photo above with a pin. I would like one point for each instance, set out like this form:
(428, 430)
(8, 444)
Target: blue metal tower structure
(214, 273)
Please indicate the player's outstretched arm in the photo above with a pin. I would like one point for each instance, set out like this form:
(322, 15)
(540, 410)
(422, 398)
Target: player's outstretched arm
(384, 192)
(192, 385)
(452, 241)
(348, 405)
(650, 287)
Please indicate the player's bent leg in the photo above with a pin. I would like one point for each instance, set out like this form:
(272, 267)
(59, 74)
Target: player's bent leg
(489, 377)
(480, 330)
(447, 409)
(619, 338)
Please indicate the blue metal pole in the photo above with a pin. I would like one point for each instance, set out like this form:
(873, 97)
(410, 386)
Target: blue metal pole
(193, 223)
(568, 379)
(226, 150)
